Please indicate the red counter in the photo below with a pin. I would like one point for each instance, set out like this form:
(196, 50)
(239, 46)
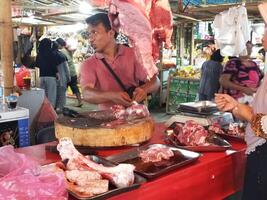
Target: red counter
(215, 175)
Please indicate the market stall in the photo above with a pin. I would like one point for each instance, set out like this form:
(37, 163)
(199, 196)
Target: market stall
(215, 175)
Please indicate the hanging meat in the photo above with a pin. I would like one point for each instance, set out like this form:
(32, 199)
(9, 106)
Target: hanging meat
(147, 23)
(162, 25)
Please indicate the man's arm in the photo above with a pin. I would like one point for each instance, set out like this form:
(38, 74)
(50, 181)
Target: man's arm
(225, 81)
(95, 96)
(150, 86)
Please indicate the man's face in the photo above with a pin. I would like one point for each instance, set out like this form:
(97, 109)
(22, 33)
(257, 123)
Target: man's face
(99, 37)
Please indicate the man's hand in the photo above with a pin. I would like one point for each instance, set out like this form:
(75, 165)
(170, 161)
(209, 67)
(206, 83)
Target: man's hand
(139, 94)
(249, 91)
(121, 98)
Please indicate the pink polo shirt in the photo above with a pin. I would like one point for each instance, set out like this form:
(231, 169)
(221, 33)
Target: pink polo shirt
(125, 65)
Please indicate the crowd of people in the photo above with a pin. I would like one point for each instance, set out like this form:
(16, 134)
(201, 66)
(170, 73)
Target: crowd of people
(239, 77)
(57, 72)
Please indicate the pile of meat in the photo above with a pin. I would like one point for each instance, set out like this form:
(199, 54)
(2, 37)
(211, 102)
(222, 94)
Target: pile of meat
(191, 134)
(89, 177)
(156, 154)
(216, 128)
(123, 115)
(236, 129)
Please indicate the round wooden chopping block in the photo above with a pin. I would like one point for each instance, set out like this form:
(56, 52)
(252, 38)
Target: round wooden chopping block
(126, 134)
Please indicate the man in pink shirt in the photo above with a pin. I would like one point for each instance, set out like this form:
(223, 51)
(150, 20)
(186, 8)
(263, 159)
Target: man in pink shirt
(98, 84)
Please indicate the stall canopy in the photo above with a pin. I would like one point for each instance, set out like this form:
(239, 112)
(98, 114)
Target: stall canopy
(56, 12)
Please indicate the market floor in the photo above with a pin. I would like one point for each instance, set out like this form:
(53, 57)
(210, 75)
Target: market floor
(158, 114)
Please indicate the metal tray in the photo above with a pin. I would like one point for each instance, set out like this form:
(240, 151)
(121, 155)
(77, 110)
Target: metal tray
(152, 170)
(231, 137)
(218, 143)
(112, 189)
(199, 107)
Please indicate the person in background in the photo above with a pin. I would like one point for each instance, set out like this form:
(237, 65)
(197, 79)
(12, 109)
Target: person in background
(256, 167)
(210, 74)
(73, 75)
(64, 78)
(98, 84)
(241, 77)
(47, 62)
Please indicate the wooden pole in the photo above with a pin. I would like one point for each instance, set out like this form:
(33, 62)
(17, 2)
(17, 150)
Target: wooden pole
(6, 36)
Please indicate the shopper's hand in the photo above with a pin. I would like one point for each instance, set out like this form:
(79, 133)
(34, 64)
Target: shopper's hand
(225, 102)
(139, 94)
(249, 91)
(121, 98)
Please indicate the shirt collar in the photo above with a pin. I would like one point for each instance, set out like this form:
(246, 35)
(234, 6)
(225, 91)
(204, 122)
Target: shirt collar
(120, 52)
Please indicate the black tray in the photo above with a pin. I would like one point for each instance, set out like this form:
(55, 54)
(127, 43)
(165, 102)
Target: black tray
(199, 107)
(138, 180)
(82, 149)
(231, 137)
(152, 170)
(218, 143)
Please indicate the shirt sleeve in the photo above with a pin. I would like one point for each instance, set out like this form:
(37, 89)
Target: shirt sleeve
(264, 123)
(88, 74)
(230, 67)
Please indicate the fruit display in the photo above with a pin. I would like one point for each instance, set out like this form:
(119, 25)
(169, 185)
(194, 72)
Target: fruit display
(188, 72)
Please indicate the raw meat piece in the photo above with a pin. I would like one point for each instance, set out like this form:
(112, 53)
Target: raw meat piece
(82, 178)
(192, 134)
(137, 111)
(133, 112)
(121, 175)
(93, 187)
(162, 25)
(216, 128)
(237, 129)
(156, 154)
(118, 111)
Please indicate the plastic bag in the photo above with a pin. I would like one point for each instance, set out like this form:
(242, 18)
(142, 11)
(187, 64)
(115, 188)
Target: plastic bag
(22, 179)
(46, 115)
(23, 72)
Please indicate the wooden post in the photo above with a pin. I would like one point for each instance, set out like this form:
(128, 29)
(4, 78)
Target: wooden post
(192, 44)
(6, 36)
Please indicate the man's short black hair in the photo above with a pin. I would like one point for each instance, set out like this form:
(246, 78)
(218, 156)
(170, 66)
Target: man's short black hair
(216, 56)
(61, 42)
(98, 18)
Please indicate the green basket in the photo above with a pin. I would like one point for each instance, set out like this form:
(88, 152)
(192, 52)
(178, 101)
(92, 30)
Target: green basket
(193, 87)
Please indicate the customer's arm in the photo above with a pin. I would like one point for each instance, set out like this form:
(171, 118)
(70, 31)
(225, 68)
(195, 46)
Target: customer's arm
(227, 103)
(225, 81)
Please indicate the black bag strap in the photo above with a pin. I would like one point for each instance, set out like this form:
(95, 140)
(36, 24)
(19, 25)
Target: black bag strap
(114, 74)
